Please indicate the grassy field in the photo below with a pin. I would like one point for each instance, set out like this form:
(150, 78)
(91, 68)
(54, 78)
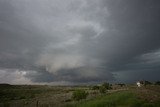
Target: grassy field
(117, 99)
(60, 96)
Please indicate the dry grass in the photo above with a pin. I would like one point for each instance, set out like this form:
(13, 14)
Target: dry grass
(51, 96)
(149, 93)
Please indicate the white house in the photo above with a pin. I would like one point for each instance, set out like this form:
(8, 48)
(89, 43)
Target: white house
(138, 84)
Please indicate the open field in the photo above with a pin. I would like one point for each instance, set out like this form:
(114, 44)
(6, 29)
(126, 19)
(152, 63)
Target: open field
(61, 96)
(128, 98)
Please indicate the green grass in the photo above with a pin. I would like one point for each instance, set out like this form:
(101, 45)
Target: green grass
(118, 99)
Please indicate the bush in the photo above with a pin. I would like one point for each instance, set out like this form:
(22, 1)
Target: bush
(95, 87)
(121, 84)
(107, 85)
(79, 94)
(102, 89)
(157, 83)
(147, 83)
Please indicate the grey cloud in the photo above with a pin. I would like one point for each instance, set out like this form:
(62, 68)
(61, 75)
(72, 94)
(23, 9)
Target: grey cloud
(76, 75)
(80, 41)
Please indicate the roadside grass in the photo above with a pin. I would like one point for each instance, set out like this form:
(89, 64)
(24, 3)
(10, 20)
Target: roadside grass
(117, 99)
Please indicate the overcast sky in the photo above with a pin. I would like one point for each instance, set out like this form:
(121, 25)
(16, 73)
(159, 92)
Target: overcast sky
(79, 41)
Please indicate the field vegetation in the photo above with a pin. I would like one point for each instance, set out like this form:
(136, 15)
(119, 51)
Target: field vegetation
(105, 95)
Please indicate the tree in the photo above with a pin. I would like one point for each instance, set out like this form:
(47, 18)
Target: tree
(79, 94)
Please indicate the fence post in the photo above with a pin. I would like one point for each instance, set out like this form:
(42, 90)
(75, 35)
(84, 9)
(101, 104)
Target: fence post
(37, 103)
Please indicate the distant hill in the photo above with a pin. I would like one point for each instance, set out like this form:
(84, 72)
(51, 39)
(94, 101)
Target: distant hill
(5, 85)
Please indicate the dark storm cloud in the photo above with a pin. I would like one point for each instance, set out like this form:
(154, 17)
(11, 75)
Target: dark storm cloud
(136, 29)
(19, 44)
(80, 41)
(76, 75)
(135, 25)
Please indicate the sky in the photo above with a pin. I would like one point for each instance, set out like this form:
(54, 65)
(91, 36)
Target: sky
(62, 42)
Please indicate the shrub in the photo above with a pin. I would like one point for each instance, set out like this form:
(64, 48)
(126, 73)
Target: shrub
(79, 94)
(22, 97)
(102, 89)
(157, 83)
(147, 83)
(107, 85)
(121, 84)
(95, 87)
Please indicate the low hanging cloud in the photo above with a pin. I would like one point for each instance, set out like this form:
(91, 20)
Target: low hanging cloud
(58, 62)
(82, 41)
